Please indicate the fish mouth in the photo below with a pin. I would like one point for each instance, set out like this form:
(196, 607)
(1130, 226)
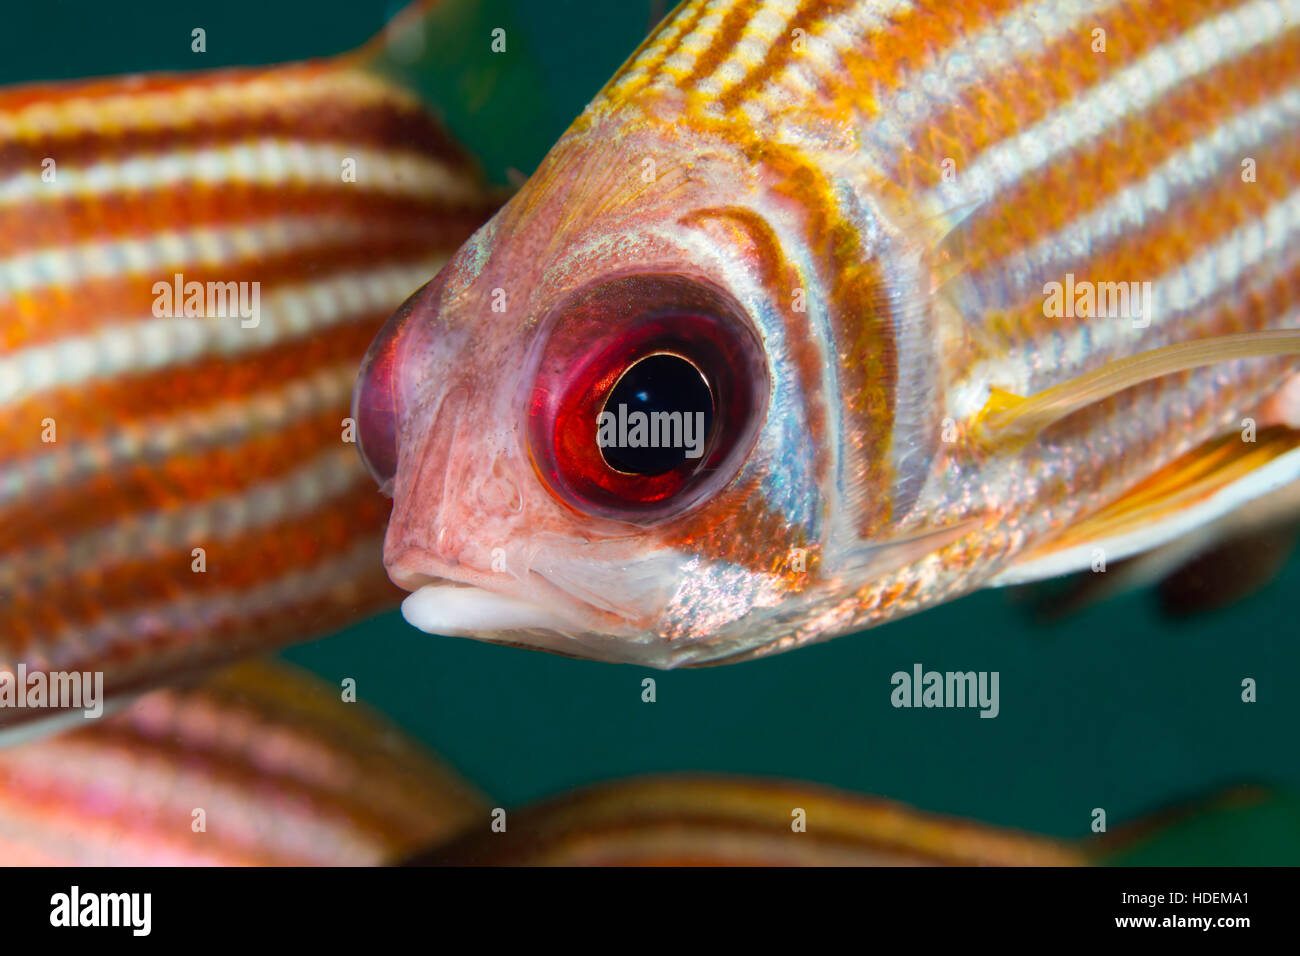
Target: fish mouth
(466, 610)
(475, 604)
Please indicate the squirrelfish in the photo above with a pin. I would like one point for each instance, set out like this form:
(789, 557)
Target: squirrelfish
(699, 820)
(258, 765)
(827, 311)
(191, 267)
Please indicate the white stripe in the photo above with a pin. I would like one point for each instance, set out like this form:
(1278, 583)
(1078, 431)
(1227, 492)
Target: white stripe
(770, 25)
(1196, 164)
(683, 59)
(805, 75)
(640, 68)
(158, 437)
(190, 613)
(988, 53)
(264, 162)
(171, 109)
(1219, 40)
(163, 253)
(1219, 266)
(1177, 293)
(131, 347)
(175, 531)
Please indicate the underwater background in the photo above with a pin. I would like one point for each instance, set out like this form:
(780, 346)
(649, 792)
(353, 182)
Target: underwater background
(1115, 707)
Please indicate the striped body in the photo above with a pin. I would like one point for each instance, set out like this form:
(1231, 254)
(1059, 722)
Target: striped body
(733, 821)
(284, 772)
(884, 189)
(130, 438)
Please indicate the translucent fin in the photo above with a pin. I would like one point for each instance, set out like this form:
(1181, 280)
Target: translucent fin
(1228, 572)
(1201, 487)
(1012, 419)
(442, 51)
(506, 98)
(1209, 568)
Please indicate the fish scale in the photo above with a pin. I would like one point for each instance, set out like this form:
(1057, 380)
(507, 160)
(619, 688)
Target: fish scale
(920, 173)
(196, 432)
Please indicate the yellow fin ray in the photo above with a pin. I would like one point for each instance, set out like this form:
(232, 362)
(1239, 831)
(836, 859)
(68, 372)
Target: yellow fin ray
(1214, 480)
(1012, 418)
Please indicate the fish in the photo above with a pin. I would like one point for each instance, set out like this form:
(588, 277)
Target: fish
(825, 312)
(696, 819)
(256, 765)
(191, 268)
(716, 820)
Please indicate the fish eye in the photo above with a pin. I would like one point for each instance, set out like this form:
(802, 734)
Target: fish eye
(375, 394)
(647, 397)
(669, 398)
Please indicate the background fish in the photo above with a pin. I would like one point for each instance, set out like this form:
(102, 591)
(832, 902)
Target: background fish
(284, 771)
(856, 223)
(733, 821)
(128, 439)
(710, 820)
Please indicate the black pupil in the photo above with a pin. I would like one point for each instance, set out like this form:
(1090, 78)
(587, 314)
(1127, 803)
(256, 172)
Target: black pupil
(657, 417)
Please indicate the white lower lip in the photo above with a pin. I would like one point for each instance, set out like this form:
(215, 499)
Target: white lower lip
(458, 611)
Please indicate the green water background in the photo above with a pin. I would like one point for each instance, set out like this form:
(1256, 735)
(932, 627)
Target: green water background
(1114, 708)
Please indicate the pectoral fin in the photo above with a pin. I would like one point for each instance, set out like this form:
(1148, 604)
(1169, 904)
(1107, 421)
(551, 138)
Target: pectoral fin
(1011, 420)
(1224, 480)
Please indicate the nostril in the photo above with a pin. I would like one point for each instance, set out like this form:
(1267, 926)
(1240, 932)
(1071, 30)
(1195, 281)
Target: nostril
(375, 406)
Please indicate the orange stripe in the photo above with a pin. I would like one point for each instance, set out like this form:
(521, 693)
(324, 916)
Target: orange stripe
(693, 17)
(781, 51)
(861, 316)
(1193, 225)
(392, 123)
(40, 224)
(1260, 297)
(240, 563)
(725, 38)
(144, 662)
(1068, 188)
(18, 97)
(1014, 99)
(86, 412)
(184, 479)
(54, 312)
(750, 234)
(33, 619)
(924, 31)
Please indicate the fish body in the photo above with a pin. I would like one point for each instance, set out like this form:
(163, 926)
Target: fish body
(257, 765)
(881, 231)
(699, 820)
(191, 267)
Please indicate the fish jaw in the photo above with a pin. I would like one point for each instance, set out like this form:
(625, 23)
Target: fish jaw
(533, 610)
(487, 547)
(486, 550)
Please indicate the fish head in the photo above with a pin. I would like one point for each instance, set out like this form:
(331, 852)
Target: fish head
(598, 423)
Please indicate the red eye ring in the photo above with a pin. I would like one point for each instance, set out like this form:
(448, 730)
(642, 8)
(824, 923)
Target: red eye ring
(585, 355)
